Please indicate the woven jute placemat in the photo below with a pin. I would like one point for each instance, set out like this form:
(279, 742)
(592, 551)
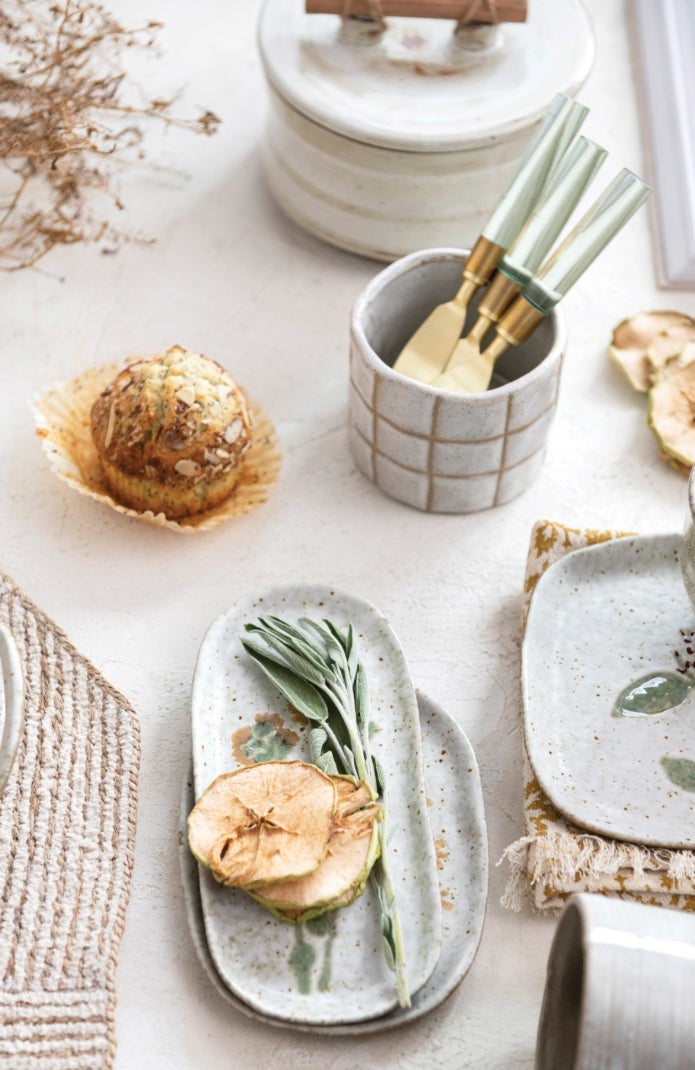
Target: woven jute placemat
(67, 837)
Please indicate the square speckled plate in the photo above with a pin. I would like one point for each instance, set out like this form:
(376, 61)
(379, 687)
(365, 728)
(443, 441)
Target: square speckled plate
(601, 619)
(457, 820)
(238, 717)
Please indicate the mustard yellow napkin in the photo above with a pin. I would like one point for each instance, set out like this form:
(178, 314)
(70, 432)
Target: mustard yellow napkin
(556, 857)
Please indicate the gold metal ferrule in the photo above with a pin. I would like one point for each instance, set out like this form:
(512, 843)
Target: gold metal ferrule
(485, 258)
(519, 322)
(499, 294)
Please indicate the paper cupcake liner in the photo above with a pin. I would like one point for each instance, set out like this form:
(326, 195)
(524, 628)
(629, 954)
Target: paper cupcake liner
(62, 423)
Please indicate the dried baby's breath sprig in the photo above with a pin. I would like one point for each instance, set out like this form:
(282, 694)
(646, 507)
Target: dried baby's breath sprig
(65, 121)
(316, 667)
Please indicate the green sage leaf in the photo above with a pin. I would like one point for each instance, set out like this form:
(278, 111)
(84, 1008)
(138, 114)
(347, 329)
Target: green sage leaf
(326, 764)
(317, 741)
(361, 689)
(303, 696)
(295, 661)
(379, 775)
(287, 633)
(327, 638)
(387, 929)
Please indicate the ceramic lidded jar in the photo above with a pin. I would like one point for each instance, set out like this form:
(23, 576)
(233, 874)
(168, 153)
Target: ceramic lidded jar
(399, 140)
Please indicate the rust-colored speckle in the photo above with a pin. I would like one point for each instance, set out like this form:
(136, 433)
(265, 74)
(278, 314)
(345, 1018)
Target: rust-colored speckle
(239, 738)
(441, 853)
(297, 717)
(445, 899)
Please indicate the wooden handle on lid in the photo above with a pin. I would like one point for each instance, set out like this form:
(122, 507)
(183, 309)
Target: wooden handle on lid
(464, 11)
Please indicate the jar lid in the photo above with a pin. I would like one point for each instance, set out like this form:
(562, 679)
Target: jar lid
(416, 88)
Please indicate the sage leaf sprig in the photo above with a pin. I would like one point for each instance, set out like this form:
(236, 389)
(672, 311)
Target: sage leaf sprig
(316, 667)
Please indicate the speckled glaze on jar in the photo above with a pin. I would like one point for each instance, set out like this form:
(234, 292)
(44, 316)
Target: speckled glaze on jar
(619, 986)
(400, 144)
(433, 449)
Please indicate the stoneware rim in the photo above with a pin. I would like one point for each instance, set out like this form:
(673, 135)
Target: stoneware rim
(401, 267)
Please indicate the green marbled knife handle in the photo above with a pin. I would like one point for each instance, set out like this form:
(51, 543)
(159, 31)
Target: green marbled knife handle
(543, 228)
(608, 215)
(533, 173)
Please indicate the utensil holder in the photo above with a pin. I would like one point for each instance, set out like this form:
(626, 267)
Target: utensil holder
(433, 449)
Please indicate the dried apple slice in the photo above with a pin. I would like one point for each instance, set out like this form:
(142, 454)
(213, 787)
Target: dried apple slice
(352, 850)
(671, 411)
(300, 915)
(678, 466)
(632, 338)
(264, 823)
(668, 344)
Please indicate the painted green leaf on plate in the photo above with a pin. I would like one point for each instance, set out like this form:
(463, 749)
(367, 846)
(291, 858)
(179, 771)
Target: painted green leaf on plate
(654, 693)
(681, 772)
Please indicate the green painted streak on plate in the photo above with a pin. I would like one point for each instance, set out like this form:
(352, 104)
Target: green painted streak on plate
(681, 772)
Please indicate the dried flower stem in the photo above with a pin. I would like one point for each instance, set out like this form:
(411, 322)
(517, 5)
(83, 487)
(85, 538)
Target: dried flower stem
(65, 122)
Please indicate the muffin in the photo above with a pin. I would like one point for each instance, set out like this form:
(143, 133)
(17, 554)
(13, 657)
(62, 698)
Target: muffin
(171, 434)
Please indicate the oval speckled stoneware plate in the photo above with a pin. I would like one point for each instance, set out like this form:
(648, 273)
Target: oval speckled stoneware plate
(457, 820)
(239, 717)
(612, 624)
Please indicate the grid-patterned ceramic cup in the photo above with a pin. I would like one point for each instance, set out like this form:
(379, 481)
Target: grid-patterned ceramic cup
(434, 449)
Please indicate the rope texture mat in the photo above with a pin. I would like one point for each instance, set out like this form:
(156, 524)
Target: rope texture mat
(67, 836)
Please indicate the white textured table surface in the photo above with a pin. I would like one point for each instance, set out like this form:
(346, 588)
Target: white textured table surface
(230, 276)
